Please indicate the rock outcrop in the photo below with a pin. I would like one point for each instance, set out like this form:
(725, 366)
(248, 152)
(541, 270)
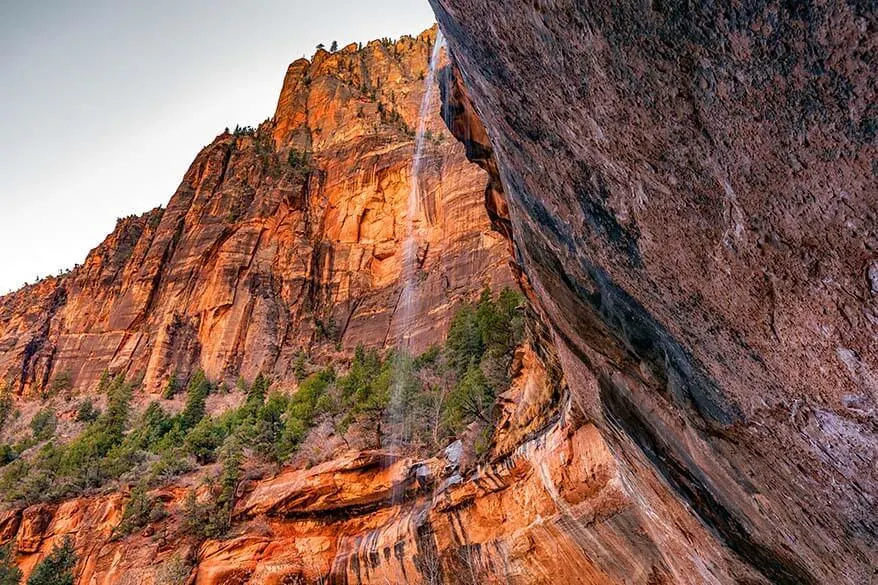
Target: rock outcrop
(691, 196)
(281, 239)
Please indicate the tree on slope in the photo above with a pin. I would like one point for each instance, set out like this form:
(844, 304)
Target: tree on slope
(9, 573)
(57, 568)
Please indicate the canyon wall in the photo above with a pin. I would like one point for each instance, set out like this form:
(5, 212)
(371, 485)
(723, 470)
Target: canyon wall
(550, 504)
(691, 191)
(280, 239)
(689, 196)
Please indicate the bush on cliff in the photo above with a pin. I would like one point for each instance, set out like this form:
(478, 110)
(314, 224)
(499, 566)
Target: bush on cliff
(10, 574)
(7, 454)
(244, 130)
(196, 400)
(300, 369)
(365, 392)
(471, 399)
(300, 162)
(43, 424)
(488, 327)
(174, 571)
(303, 407)
(84, 458)
(212, 517)
(479, 350)
(6, 406)
(140, 510)
(172, 387)
(154, 425)
(57, 568)
(203, 440)
(86, 412)
(268, 427)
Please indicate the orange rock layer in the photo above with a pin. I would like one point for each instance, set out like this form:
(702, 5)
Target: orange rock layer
(257, 256)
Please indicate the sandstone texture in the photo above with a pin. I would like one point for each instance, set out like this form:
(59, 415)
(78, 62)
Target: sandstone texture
(260, 255)
(691, 192)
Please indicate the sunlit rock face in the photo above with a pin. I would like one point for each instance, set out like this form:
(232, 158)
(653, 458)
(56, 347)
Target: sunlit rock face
(258, 255)
(691, 196)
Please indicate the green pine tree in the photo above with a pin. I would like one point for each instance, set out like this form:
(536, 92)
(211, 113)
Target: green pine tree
(10, 574)
(57, 568)
(196, 400)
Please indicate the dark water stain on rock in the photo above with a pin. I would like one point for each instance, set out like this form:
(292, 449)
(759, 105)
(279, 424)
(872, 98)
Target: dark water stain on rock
(684, 477)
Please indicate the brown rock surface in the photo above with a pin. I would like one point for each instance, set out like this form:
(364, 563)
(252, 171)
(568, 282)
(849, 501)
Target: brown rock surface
(692, 198)
(254, 259)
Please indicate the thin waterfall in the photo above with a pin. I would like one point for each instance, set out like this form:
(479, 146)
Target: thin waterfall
(408, 296)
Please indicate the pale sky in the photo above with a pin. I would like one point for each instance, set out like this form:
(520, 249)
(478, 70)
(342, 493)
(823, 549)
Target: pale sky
(104, 103)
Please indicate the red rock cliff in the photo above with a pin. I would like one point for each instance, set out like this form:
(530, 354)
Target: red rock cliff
(688, 191)
(261, 253)
(551, 506)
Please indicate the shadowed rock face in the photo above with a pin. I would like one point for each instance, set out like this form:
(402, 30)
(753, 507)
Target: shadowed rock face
(691, 195)
(259, 255)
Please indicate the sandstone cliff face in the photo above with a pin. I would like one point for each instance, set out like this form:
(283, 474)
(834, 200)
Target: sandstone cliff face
(691, 194)
(258, 255)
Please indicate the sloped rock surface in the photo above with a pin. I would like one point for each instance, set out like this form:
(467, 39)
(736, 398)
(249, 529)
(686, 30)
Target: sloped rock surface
(691, 194)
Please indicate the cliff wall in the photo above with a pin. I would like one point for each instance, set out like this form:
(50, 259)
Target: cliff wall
(691, 194)
(280, 239)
